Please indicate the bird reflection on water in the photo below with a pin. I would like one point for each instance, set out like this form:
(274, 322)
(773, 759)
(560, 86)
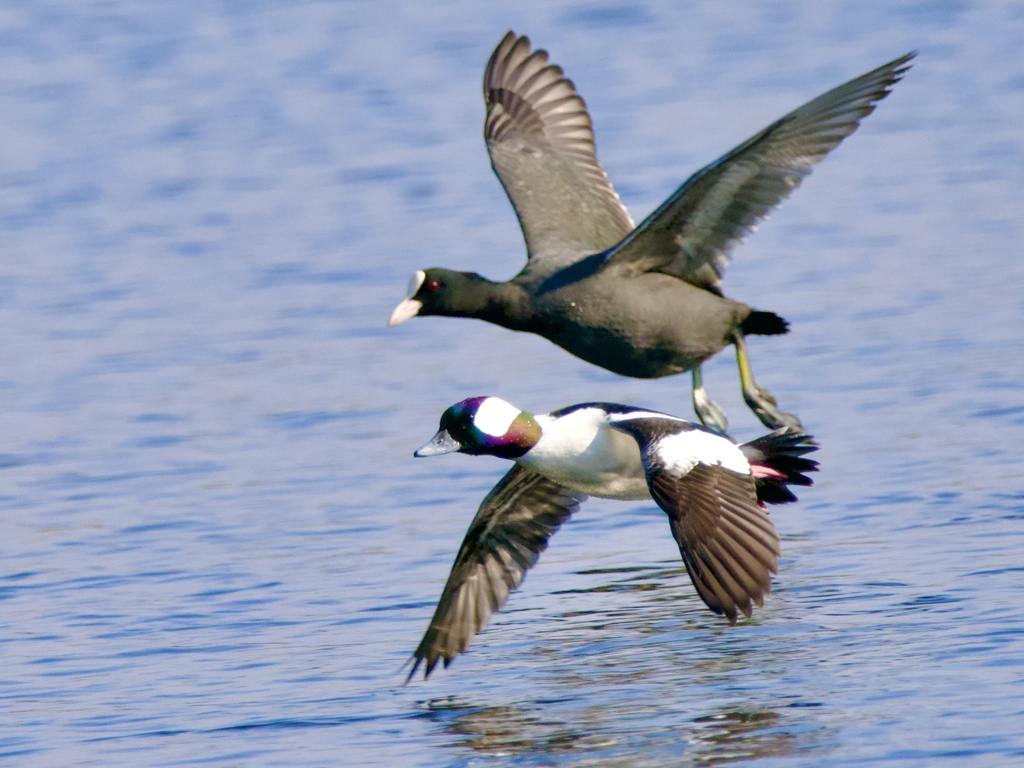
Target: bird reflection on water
(732, 736)
(598, 654)
(719, 738)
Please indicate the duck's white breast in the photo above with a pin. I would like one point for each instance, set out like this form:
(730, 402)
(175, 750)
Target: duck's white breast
(580, 450)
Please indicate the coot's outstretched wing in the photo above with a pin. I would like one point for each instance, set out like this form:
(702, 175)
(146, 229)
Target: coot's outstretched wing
(541, 143)
(693, 232)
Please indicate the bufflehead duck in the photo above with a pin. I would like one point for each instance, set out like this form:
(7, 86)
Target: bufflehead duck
(643, 301)
(713, 491)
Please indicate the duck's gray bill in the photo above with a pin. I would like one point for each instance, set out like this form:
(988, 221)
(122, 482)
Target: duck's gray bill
(441, 444)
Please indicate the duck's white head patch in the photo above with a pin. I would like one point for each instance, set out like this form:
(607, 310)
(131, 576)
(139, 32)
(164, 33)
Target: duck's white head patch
(495, 416)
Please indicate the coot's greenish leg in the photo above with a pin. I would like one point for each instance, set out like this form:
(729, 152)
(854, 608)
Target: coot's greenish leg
(759, 399)
(708, 411)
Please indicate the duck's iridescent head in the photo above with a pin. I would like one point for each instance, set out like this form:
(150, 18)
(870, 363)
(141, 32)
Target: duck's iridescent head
(484, 426)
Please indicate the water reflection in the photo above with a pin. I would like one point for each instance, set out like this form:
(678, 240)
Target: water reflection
(207, 426)
(640, 652)
(732, 736)
(722, 737)
(504, 730)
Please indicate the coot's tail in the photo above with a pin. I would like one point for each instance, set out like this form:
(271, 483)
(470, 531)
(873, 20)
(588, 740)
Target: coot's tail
(760, 323)
(777, 460)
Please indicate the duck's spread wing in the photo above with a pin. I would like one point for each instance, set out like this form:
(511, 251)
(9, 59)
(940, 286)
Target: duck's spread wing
(541, 143)
(726, 538)
(692, 233)
(510, 530)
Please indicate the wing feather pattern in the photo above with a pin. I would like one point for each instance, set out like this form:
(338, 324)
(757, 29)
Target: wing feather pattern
(692, 234)
(505, 539)
(726, 539)
(541, 142)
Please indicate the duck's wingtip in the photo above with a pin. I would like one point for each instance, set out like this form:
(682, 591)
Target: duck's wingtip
(415, 660)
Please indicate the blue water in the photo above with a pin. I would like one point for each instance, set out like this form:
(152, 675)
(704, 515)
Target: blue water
(215, 545)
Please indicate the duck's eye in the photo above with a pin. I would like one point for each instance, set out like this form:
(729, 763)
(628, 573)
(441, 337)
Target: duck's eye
(432, 285)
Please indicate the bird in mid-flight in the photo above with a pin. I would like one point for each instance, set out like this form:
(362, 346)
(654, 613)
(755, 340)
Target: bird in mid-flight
(639, 300)
(713, 491)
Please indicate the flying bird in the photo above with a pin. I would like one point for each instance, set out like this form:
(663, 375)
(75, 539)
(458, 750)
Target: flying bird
(713, 491)
(643, 301)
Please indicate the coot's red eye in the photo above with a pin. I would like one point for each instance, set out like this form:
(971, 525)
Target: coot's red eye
(432, 285)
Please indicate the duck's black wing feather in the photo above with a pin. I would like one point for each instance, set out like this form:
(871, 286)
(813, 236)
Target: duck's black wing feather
(725, 536)
(727, 540)
(510, 530)
(693, 232)
(541, 142)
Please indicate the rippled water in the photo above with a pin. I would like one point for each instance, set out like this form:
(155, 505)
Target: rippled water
(216, 546)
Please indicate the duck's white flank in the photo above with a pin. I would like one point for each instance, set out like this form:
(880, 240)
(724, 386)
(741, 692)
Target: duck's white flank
(495, 416)
(681, 452)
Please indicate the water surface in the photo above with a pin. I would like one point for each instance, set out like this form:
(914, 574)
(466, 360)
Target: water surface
(216, 546)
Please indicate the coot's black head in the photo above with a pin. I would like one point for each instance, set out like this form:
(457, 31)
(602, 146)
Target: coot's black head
(440, 291)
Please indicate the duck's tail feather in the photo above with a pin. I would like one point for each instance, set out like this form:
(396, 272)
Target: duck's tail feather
(777, 461)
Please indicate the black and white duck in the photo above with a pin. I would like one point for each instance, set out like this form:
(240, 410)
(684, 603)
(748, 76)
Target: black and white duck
(713, 491)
